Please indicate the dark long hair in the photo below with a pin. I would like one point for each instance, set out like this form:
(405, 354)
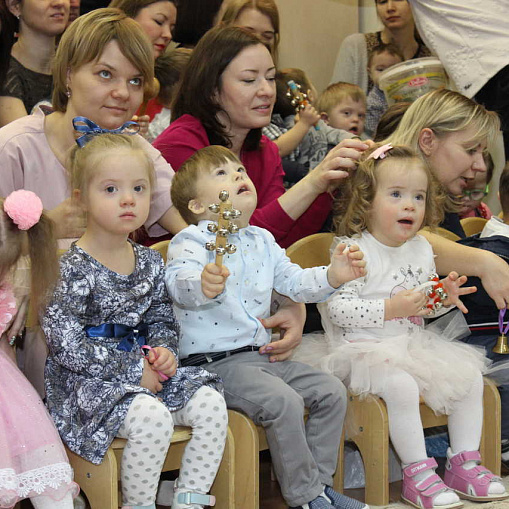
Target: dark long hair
(7, 29)
(196, 94)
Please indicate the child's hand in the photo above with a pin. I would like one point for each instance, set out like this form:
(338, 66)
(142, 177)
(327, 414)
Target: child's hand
(213, 280)
(143, 121)
(406, 303)
(308, 115)
(163, 360)
(346, 265)
(150, 379)
(452, 285)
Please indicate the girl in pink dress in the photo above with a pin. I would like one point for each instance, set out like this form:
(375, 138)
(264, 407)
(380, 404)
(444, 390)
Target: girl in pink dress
(33, 462)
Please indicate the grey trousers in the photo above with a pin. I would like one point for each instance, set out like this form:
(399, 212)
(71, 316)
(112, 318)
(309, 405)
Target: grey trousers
(274, 395)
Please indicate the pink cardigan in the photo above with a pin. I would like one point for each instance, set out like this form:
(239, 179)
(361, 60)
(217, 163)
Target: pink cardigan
(187, 135)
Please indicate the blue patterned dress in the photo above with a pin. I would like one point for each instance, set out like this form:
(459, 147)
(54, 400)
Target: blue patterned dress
(89, 382)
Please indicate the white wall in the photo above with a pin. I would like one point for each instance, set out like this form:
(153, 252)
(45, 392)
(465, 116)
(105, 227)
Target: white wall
(368, 20)
(311, 33)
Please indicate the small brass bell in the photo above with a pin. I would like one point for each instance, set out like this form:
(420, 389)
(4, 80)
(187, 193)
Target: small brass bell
(501, 347)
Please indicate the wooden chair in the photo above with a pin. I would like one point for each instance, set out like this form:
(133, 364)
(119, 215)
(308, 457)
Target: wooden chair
(100, 483)
(367, 423)
(249, 441)
(473, 225)
(162, 247)
(445, 233)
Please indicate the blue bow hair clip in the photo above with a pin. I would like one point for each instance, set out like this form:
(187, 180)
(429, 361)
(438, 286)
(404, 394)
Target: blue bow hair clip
(90, 129)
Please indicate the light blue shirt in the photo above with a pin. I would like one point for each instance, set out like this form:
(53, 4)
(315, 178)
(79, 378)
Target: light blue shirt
(230, 320)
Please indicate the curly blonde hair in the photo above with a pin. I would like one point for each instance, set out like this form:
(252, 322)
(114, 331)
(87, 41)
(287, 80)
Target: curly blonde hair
(356, 198)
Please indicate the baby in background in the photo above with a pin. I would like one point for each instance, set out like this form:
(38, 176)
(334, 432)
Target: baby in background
(381, 58)
(302, 138)
(343, 106)
(168, 69)
(219, 308)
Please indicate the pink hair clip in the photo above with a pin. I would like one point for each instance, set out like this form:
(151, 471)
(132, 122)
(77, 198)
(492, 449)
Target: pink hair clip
(24, 208)
(380, 152)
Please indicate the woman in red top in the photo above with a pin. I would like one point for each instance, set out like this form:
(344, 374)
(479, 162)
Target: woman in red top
(225, 97)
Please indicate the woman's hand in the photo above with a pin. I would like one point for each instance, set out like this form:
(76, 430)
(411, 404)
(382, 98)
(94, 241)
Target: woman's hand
(290, 319)
(494, 274)
(17, 324)
(69, 219)
(336, 164)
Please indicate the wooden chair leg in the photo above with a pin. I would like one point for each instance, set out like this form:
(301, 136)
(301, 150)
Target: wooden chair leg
(224, 485)
(339, 476)
(98, 482)
(372, 439)
(491, 429)
(247, 460)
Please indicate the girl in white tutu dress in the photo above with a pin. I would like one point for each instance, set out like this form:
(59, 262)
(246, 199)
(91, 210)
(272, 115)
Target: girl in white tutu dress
(376, 341)
(33, 462)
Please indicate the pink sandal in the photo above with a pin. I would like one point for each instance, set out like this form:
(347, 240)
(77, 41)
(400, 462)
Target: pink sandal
(471, 484)
(421, 494)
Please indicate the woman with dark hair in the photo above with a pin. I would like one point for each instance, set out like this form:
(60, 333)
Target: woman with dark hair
(7, 27)
(28, 78)
(225, 97)
(195, 18)
(157, 18)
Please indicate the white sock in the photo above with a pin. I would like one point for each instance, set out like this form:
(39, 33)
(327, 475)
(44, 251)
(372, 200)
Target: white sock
(496, 488)
(445, 498)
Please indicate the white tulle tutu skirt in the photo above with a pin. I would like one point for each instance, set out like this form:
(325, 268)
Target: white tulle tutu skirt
(443, 368)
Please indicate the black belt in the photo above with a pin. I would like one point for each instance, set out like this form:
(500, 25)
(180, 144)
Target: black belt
(197, 359)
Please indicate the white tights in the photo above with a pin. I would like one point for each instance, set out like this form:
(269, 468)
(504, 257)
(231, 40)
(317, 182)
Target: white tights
(401, 396)
(148, 427)
(45, 502)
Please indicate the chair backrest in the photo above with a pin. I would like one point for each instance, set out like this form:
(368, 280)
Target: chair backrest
(162, 247)
(473, 225)
(311, 251)
(447, 234)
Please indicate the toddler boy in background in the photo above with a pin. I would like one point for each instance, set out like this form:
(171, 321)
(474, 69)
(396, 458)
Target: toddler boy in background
(302, 146)
(483, 315)
(381, 58)
(219, 308)
(477, 188)
(343, 106)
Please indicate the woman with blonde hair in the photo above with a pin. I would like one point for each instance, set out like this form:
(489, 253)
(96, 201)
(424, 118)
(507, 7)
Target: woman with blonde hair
(259, 16)
(452, 134)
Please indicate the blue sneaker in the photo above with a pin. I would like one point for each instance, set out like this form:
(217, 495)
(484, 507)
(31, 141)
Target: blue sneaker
(340, 501)
(319, 502)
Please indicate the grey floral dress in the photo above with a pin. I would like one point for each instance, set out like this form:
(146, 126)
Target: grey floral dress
(90, 383)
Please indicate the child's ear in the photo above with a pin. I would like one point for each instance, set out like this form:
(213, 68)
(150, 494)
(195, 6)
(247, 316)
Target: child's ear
(427, 141)
(324, 117)
(196, 207)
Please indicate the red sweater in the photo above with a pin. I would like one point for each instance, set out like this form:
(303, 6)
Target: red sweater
(186, 135)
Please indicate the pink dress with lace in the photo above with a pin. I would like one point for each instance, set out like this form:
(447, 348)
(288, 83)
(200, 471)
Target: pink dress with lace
(32, 459)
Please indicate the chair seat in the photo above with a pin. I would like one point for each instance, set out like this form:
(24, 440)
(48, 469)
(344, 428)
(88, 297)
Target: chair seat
(180, 434)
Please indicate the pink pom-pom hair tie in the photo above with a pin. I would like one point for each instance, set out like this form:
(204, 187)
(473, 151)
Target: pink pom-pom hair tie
(380, 152)
(24, 208)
